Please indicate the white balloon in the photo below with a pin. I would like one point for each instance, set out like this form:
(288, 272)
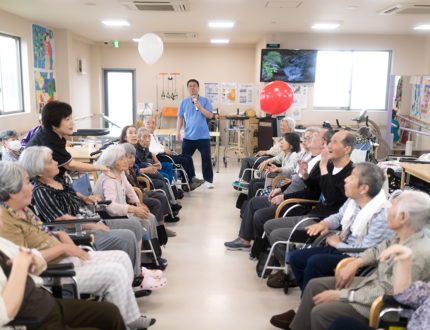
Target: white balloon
(150, 48)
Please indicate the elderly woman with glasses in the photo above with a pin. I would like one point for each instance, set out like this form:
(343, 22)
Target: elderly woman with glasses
(56, 200)
(108, 274)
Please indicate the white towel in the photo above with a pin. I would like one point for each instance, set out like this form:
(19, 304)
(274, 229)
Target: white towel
(363, 217)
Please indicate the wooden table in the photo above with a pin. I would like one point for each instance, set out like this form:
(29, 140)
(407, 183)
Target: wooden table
(171, 134)
(421, 171)
(81, 154)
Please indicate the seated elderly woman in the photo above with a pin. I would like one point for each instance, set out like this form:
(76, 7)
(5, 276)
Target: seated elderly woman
(118, 190)
(56, 200)
(327, 298)
(415, 295)
(11, 147)
(108, 274)
(130, 153)
(20, 287)
(129, 135)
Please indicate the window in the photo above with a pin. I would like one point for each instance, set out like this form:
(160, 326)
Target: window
(352, 80)
(11, 99)
(119, 98)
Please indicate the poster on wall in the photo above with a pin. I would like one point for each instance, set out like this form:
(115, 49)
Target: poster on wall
(43, 48)
(300, 95)
(212, 92)
(425, 99)
(228, 93)
(415, 100)
(45, 88)
(247, 94)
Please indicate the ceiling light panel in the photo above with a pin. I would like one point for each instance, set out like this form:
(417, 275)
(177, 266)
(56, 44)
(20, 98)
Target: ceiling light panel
(220, 41)
(325, 26)
(116, 22)
(221, 25)
(422, 27)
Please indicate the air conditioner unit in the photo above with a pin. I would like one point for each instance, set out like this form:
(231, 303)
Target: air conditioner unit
(157, 5)
(422, 8)
(186, 35)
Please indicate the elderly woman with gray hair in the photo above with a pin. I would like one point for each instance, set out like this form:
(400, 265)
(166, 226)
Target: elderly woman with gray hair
(165, 209)
(56, 200)
(117, 189)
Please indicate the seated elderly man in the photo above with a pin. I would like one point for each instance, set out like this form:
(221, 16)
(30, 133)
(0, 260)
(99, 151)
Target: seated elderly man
(11, 147)
(157, 149)
(104, 273)
(287, 125)
(363, 219)
(327, 298)
(335, 165)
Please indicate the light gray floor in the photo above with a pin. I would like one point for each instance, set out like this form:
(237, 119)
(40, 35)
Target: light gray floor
(209, 287)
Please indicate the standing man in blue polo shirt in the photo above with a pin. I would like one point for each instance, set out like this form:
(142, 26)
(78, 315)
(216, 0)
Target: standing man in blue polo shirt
(196, 110)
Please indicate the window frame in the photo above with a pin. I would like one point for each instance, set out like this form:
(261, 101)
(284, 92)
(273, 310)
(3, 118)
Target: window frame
(389, 67)
(19, 71)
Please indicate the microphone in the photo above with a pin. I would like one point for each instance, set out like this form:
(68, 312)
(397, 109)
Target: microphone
(194, 98)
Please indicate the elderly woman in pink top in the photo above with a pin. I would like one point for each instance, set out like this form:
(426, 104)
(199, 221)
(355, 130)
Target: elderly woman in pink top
(118, 190)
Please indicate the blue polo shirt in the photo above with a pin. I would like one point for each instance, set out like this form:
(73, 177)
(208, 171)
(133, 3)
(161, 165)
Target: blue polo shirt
(196, 126)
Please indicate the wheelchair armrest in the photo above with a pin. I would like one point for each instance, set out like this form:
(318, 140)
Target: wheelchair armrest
(59, 270)
(72, 222)
(352, 250)
(83, 240)
(65, 266)
(27, 322)
(294, 201)
(58, 273)
(389, 300)
(343, 263)
(146, 180)
(276, 179)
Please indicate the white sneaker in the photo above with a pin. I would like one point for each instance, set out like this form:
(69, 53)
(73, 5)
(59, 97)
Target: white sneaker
(209, 185)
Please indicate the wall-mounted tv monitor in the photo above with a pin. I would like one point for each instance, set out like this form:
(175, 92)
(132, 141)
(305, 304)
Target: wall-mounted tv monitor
(289, 65)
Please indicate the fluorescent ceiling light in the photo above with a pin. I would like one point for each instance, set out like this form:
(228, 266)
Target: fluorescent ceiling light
(116, 22)
(325, 26)
(136, 39)
(220, 41)
(422, 27)
(221, 25)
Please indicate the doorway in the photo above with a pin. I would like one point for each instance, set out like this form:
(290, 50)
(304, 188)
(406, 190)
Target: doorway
(119, 95)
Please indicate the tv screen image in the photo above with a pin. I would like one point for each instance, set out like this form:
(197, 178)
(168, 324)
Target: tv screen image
(289, 65)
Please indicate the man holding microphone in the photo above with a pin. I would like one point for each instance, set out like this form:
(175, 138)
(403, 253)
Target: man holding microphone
(196, 110)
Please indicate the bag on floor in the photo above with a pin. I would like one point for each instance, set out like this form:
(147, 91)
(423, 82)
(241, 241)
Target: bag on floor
(240, 200)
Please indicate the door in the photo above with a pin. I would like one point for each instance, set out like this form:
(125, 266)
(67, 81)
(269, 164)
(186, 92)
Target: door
(119, 95)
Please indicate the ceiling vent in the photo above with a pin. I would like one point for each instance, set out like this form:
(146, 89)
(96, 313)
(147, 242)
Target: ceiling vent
(178, 35)
(407, 9)
(282, 4)
(157, 5)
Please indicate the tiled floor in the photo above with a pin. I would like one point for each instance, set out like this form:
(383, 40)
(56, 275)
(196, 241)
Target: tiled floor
(208, 286)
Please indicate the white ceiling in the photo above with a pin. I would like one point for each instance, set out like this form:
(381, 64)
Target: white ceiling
(252, 19)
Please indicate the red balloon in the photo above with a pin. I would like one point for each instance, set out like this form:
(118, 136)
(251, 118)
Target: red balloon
(276, 97)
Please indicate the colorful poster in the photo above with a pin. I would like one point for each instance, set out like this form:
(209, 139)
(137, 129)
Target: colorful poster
(247, 94)
(212, 92)
(228, 93)
(415, 100)
(43, 48)
(425, 99)
(45, 88)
